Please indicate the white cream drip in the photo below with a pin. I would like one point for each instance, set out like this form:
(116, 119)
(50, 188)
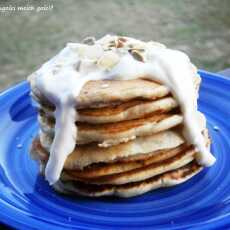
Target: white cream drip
(62, 78)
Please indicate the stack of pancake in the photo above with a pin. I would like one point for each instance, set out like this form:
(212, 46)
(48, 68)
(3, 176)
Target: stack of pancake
(129, 139)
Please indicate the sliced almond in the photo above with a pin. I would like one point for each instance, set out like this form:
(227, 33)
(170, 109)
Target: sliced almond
(93, 52)
(119, 44)
(137, 55)
(108, 60)
(122, 39)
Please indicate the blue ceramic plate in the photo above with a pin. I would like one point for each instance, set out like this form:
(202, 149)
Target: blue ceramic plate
(26, 200)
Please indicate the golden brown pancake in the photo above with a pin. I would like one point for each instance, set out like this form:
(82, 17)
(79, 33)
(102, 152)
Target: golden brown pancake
(96, 170)
(94, 94)
(167, 179)
(114, 133)
(126, 111)
(85, 155)
(123, 165)
(138, 174)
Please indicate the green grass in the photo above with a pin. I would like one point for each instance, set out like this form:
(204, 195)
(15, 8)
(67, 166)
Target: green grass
(28, 39)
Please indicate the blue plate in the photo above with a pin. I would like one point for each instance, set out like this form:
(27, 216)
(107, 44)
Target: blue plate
(26, 200)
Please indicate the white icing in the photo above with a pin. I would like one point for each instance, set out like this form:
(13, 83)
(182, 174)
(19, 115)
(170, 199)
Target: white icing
(62, 78)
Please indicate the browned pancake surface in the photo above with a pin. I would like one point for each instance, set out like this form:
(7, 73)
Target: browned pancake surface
(94, 95)
(171, 178)
(139, 173)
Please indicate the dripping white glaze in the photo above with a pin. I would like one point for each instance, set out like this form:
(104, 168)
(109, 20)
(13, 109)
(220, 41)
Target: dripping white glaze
(62, 78)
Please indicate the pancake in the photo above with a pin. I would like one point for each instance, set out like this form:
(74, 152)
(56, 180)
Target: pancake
(117, 117)
(137, 174)
(122, 165)
(96, 170)
(125, 164)
(115, 133)
(85, 155)
(171, 178)
(102, 93)
(126, 111)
